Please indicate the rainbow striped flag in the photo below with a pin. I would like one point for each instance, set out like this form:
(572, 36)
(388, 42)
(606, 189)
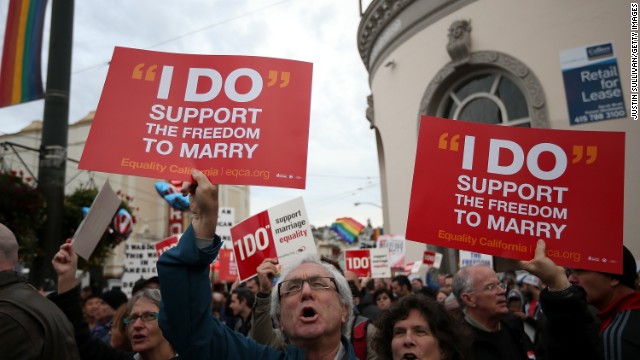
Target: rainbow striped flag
(20, 74)
(347, 228)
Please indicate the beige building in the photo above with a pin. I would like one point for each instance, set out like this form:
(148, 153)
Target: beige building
(495, 61)
(19, 153)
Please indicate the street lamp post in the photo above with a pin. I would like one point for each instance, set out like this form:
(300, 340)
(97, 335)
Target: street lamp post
(367, 203)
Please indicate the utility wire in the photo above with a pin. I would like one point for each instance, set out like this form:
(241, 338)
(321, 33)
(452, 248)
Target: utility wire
(193, 32)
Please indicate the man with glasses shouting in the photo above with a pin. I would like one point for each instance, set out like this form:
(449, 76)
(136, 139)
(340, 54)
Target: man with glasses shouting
(311, 302)
(497, 334)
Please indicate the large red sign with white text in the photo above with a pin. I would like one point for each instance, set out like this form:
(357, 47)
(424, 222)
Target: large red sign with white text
(238, 119)
(497, 190)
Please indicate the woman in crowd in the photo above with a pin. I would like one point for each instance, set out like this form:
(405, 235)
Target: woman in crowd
(418, 327)
(383, 298)
(118, 331)
(141, 318)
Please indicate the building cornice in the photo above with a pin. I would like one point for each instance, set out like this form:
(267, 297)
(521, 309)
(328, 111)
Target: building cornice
(379, 14)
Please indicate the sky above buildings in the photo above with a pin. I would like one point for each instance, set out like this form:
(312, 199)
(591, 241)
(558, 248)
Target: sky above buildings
(342, 164)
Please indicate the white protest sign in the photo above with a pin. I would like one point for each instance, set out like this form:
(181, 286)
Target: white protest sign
(468, 258)
(282, 232)
(395, 244)
(226, 219)
(140, 262)
(100, 214)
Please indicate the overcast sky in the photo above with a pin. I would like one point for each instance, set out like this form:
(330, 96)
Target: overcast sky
(342, 167)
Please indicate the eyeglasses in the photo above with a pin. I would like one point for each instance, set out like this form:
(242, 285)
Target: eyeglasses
(315, 282)
(146, 317)
(494, 287)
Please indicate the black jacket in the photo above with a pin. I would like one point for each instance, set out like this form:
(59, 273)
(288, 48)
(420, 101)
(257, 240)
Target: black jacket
(32, 327)
(509, 343)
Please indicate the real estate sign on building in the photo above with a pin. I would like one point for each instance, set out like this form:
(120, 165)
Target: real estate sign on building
(592, 84)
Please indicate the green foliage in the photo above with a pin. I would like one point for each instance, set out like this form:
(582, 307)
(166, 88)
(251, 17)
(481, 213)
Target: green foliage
(21, 210)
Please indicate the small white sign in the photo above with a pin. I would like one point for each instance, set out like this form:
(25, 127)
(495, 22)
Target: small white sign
(100, 214)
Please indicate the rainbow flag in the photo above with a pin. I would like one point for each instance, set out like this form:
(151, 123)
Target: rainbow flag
(347, 229)
(20, 74)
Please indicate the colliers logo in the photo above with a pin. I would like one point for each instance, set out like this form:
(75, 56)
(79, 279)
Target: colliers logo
(600, 51)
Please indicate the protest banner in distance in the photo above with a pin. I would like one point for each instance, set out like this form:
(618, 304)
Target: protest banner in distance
(468, 258)
(395, 244)
(227, 269)
(496, 190)
(166, 244)
(139, 262)
(239, 119)
(432, 259)
(282, 232)
(226, 219)
(368, 262)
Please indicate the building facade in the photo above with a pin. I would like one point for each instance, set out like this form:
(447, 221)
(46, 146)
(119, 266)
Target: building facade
(495, 61)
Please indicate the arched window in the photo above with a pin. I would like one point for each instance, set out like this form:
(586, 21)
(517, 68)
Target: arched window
(484, 86)
(485, 96)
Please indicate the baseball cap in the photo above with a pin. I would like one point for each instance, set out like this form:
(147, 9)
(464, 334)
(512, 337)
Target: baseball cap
(629, 270)
(531, 280)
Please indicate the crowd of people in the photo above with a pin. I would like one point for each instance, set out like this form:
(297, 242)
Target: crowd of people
(314, 309)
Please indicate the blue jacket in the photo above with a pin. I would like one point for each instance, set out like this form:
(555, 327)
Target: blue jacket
(185, 313)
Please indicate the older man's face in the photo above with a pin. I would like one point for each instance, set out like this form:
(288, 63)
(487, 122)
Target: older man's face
(487, 298)
(310, 313)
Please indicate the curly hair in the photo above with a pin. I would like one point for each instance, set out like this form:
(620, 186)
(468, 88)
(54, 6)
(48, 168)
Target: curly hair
(450, 334)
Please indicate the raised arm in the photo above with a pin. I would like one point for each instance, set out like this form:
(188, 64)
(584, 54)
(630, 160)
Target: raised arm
(65, 263)
(185, 313)
(570, 330)
(262, 329)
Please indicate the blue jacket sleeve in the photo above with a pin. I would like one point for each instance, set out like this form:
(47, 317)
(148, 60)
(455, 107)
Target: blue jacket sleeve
(185, 313)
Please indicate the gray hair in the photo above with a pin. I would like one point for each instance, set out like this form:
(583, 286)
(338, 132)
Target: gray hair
(152, 295)
(462, 283)
(344, 292)
(8, 248)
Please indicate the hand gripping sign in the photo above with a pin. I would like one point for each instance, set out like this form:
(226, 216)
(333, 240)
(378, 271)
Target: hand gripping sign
(368, 262)
(497, 190)
(239, 119)
(281, 232)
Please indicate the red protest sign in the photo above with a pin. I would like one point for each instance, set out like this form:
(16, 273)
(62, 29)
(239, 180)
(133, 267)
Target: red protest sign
(281, 232)
(358, 261)
(429, 258)
(228, 270)
(252, 243)
(497, 190)
(239, 119)
(166, 244)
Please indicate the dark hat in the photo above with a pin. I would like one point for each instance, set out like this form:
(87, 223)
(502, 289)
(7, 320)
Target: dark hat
(114, 297)
(143, 283)
(629, 271)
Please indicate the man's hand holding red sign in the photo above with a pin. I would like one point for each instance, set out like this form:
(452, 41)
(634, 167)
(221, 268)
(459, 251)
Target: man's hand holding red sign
(497, 190)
